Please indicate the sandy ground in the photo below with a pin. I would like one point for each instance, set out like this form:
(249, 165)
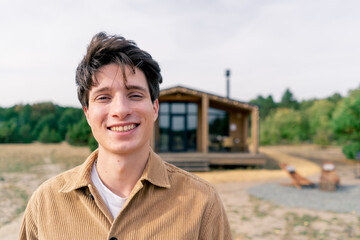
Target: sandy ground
(252, 218)
(256, 219)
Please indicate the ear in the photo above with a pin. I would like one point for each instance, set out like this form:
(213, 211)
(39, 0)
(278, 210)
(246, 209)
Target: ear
(86, 112)
(156, 109)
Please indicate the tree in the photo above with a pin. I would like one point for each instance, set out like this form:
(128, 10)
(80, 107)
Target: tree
(8, 131)
(306, 104)
(266, 105)
(25, 133)
(24, 114)
(9, 113)
(346, 123)
(25, 123)
(335, 98)
(68, 118)
(282, 126)
(79, 133)
(93, 144)
(41, 109)
(49, 136)
(319, 118)
(288, 100)
(49, 120)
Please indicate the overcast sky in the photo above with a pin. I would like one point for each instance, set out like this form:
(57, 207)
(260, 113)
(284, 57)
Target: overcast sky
(311, 47)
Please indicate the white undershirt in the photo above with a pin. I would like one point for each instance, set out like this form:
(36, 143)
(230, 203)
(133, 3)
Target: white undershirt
(113, 202)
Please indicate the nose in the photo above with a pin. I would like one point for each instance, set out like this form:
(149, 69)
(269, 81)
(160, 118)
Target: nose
(120, 107)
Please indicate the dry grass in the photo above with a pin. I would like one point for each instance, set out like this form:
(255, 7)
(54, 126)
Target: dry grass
(24, 157)
(23, 167)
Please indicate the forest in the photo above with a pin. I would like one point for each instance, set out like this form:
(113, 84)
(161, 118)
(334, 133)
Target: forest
(46, 123)
(334, 120)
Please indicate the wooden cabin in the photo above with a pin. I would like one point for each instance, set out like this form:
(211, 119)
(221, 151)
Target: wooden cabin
(196, 129)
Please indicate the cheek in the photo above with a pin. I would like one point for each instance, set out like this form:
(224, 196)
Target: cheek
(96, 116)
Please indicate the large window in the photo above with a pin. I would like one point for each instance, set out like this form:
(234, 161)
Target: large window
(178, 124)
(218, 130)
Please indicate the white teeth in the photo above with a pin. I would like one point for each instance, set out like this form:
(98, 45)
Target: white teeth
(123, 128)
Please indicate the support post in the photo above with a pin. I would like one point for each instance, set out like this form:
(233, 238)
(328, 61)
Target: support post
(255, 130)
(204, 123)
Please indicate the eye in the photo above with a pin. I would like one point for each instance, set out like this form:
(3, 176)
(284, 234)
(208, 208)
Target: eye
(102, 98)
(135, 96)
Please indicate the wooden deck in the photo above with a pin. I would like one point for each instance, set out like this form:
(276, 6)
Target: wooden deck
(199, 162)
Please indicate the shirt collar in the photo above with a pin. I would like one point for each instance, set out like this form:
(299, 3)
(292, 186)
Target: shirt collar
(81, 176)
(155, 172)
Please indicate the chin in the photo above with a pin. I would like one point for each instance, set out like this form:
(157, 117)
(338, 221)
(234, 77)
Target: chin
(124, 149)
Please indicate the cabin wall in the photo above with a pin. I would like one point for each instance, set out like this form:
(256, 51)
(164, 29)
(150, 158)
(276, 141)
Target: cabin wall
(238, 122)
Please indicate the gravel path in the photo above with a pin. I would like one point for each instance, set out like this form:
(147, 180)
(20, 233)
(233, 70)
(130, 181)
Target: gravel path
(343, 200)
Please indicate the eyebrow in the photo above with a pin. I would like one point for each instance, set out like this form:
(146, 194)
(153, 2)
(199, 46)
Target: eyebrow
(103, 89)
(128, 87)
(135, 87)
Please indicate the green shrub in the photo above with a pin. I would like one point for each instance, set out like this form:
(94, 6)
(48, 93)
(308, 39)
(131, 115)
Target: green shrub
(322, 137)
(284, 125)
(79, 134)
(49, 136)
(350, 150)
(93, 143)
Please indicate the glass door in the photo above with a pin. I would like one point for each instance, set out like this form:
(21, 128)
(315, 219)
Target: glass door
(177, 127)
(178, 133)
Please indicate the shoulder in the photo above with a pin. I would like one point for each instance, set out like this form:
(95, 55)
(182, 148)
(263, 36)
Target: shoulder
(57, 183)
(190, 181)
(198, 191)
(48, 193)
(75, 178)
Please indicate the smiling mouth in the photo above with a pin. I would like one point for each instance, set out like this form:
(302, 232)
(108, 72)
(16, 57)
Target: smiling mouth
(123, 128)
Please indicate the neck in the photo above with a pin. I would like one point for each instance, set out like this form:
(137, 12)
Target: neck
(120, 172)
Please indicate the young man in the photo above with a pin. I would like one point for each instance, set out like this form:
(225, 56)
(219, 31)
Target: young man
(123, 190)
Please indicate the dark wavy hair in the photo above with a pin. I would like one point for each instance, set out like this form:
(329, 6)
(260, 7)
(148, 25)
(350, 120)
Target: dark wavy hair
(107, 49)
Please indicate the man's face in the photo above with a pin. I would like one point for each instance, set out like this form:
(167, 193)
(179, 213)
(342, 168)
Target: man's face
(121, 116)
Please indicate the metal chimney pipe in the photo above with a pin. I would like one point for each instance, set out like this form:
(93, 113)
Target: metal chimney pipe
(227, 74)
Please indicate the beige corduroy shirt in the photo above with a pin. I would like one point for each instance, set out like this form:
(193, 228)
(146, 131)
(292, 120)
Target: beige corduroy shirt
(166, 203)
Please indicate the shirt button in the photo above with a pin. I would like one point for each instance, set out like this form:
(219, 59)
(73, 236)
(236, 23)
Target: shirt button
(113, 238)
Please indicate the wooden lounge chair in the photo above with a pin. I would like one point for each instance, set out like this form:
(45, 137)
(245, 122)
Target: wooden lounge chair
(297, 180)
(329, 180)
